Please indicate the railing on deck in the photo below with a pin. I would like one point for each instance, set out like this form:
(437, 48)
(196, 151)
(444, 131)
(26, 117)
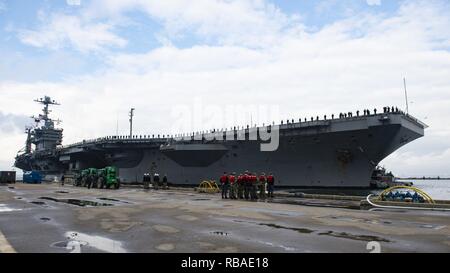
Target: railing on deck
(288, 124)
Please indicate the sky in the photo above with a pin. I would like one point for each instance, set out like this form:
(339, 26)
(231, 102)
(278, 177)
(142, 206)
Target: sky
(196, 65)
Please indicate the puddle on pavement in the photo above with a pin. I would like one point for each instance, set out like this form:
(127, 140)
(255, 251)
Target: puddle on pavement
(221, 233)
(301, 230)
(62, 244)
(396, 223)
(311, 203)
(166, 247)
(430, 226)
(61, 192)
(345, 235)
(352, 219)
(73, 245)
(39, 203)
(11, 188)
(76, 241)
(45, 219)
(113, 200)
(78, 202)
(388, 210)
(201, 199)
(272, 211)
(286, 248)
(4, 208)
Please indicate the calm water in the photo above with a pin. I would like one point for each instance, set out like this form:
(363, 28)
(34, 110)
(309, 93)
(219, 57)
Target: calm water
(437, 189)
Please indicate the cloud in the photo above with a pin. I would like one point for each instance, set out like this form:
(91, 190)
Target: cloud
(248, 22)
(373, 2)
(431, 163)
(10, 123)
(194, 59)
(355, 63)
(62, 30)
(2, 6)
(73, 2)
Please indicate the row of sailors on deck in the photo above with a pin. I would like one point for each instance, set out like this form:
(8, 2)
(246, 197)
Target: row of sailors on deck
(366, 112)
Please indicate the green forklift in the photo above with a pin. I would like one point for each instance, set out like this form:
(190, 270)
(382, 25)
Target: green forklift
(91, 178)
(98, 178)
(107, 178)
(77, 182)
(84, 178)
(87, 178)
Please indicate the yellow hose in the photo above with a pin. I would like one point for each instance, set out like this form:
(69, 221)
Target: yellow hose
(401, 207)
(208, 186)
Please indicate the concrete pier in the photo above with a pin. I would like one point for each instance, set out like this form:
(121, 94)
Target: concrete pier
(51, 218)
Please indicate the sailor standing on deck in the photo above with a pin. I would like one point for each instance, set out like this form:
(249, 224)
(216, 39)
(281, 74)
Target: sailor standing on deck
(224, 182)
(270, 184)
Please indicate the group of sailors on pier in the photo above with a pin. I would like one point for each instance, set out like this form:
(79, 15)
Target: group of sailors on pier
(248, 186)
(157, 182)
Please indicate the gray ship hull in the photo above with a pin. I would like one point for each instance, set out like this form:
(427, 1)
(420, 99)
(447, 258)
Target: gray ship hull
(324, 153)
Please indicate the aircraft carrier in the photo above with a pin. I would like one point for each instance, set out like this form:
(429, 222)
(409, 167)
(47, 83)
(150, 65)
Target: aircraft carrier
(323, 152)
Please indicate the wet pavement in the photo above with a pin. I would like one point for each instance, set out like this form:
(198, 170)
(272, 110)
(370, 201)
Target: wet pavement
(51, 218)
